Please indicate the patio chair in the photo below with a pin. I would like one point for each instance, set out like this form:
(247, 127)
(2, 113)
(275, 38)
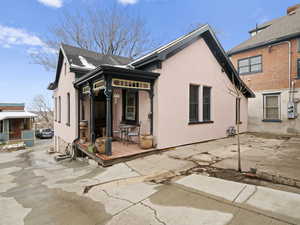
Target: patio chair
(119, 132)
(135, 133)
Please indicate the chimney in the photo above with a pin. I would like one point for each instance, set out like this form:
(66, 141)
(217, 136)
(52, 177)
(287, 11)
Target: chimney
(291, 10)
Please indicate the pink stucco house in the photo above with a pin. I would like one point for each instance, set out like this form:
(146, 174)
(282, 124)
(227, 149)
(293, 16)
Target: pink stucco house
(178, 93)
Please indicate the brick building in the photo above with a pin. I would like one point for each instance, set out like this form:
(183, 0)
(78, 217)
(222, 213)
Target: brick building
(269, 63)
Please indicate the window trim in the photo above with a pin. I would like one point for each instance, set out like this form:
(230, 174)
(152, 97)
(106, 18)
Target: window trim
(210, 88)
(198, 101)
(124, 120)
(249, 65)
(55, 103)
(68, 109)
(278, 94)
(238, 109)
(298, 69)
(200, 96)
(59, 112)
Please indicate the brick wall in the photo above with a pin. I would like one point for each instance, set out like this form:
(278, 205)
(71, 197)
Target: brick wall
(8, 108)
(275, 67)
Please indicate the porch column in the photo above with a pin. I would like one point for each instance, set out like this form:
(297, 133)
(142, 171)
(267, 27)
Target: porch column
(151, 95)
(108, 94)
(92, 113)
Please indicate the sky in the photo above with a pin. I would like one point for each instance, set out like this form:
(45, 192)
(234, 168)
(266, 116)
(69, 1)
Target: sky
(24, 24)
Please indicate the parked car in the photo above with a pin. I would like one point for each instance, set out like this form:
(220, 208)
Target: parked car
(44, 133)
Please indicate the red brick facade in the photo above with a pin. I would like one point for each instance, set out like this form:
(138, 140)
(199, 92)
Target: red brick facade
(11, 108)
(274, 73)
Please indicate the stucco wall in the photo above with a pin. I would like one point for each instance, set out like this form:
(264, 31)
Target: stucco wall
(144, 110)
(286, 126)
(63, 132)
(193, 65)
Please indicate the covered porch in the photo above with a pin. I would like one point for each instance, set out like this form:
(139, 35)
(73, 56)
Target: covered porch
(115, 109)
(17, 126)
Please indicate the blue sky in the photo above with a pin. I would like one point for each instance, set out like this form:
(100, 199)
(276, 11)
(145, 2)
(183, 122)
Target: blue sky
(24, 24)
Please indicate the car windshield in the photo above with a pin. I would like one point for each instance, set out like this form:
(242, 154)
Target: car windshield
(47, 130)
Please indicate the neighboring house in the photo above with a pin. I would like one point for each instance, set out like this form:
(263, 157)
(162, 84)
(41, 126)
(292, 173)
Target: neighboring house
(179, 93)
(269, 63)
(16, 124)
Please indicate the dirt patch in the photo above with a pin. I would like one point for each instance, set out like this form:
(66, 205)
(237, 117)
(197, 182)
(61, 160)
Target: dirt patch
(270, 136)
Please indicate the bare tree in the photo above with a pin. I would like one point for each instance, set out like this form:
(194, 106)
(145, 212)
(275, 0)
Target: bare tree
(109, 31)
(238, 90)
(42, 107)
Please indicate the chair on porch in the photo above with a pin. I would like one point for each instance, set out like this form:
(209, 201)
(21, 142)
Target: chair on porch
(120, 133)
(135, 133)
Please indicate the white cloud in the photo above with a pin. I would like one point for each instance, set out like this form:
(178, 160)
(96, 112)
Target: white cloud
(127, 2)
(10, 36)
(52, 3)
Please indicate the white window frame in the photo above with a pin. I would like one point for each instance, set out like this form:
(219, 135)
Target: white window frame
(264, 107)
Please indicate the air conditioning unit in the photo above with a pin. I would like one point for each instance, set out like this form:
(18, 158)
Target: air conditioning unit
(292, 110)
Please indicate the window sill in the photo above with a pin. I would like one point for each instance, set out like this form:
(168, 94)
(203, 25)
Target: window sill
(128, 122)
(250, 73)
(272, 121)
(200, 122)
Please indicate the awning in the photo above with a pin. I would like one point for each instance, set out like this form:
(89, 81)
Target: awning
(16, 115)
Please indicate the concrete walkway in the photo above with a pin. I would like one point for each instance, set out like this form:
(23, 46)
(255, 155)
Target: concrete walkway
(34, 189)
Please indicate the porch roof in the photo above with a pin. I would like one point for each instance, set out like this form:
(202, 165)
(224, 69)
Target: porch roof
(117, 70)
(16, 115)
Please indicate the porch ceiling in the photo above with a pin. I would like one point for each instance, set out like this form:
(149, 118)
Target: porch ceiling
(118, 72)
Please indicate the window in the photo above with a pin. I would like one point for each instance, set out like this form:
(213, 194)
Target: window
(59, 106)
(1, 126)
(194, 103)
(65, 67)
(68, 110)
(238, 111)
(298, 68)
(206, 103)
(271, 107)
(55, 102)
(250, 65)
(130, 106)
(298, 45)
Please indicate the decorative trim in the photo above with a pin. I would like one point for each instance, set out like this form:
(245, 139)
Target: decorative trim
(86, 89)
(131, 84)
(99, 85)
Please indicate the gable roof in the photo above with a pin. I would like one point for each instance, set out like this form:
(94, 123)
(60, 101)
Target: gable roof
(276, 30)
(182, 42)
(83, 61)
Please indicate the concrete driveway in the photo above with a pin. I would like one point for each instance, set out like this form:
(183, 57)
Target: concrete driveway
(34, 189)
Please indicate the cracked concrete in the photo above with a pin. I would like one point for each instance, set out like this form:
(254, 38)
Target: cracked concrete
(34, 189)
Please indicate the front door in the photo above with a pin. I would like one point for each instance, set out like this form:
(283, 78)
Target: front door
(15, 129)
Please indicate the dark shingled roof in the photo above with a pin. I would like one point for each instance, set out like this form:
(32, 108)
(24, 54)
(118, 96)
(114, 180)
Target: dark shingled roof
(276, 30)
(82, 61)
(72, 53)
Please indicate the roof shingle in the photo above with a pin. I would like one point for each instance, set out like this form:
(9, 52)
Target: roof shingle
(276, 29)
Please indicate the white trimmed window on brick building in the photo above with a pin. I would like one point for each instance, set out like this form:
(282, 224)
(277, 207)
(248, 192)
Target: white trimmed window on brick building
(271, 103)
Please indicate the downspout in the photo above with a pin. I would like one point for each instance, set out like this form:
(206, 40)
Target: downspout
(289, 52)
